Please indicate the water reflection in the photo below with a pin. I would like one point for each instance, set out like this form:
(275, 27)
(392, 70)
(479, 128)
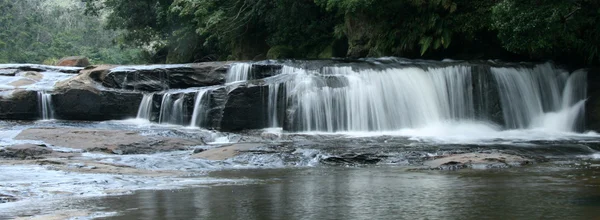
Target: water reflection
(374, 193)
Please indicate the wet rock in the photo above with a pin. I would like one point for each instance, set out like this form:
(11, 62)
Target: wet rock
(162, 77)
(75, 61)
(8, 72)
(7, 198)
(19, 105)
(110, 141)
(352, 159)
(90, 105)
(226, 152)
(39, 68)
(199, 150)
(25, 151)
(89, 79)
(246, 108)
(478, 160)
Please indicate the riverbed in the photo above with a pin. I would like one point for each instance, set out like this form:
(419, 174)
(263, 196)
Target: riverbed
(275, 175)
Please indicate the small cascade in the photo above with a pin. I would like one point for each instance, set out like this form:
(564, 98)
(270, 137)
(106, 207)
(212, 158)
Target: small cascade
(171, 109)
(238, 72)
(145, 109)
(542, 97)
(45, 105)
(199, 114)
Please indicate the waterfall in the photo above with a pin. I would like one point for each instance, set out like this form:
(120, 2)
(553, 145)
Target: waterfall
(238, 72)
(45, 105)
(199, 113)
(542, 97)
(171, 109)
(343, 98)
(145, 109)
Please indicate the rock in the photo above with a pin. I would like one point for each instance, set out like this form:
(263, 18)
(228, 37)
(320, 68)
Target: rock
(592, 105)
(110, 141)
(246, 108)
(352, 159)
(75, 61)
(226, 152)
(478, 160)
(94, 105)
(29, 78)
(89, 79)
(162, 77)
(19, 105)
(8, 72)
(199, 150)
(7, 198)
(38, 68)
(25, 151)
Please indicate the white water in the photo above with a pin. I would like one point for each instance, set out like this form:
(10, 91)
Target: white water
(238, 72)
(45, 105)
(343, 99)
(171, 109)
(145, 109)
(199, 114)
(542, 97)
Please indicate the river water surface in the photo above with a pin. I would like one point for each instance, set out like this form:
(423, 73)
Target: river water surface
(556, 191)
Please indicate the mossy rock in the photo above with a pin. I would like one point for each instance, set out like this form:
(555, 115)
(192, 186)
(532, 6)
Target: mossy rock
(280, 52)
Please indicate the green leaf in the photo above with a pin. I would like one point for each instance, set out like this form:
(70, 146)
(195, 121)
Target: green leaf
(425, 43)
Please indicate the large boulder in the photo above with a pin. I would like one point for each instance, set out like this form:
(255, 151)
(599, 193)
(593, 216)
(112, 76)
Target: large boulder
(161, 77)
(75, 61)
(90, 105)
(246, 108)
(19, 105)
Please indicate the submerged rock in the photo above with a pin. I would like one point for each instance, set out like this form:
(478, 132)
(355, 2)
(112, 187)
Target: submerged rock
(7, 198)
(226, 152)
(478, 160)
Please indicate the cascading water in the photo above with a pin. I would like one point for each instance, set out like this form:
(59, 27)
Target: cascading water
(145, 109)
(342, 98)
(542, 97)
(199, 113)
(171, 109)
(238, 72)
(45, 105)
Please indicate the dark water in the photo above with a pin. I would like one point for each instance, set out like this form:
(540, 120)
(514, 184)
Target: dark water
(567, 191)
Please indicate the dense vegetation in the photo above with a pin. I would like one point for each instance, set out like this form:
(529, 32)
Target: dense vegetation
(43, 31)
(197, 30)
(176, 31)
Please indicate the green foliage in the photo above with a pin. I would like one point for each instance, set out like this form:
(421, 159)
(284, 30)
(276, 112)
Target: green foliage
(177, 31)
(280, 52)
(42, 31)
(549, 28)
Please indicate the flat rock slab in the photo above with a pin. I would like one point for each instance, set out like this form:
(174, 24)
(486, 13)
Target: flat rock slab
(478, 161)
(24, 151)
(226, 152)
(111, 141)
